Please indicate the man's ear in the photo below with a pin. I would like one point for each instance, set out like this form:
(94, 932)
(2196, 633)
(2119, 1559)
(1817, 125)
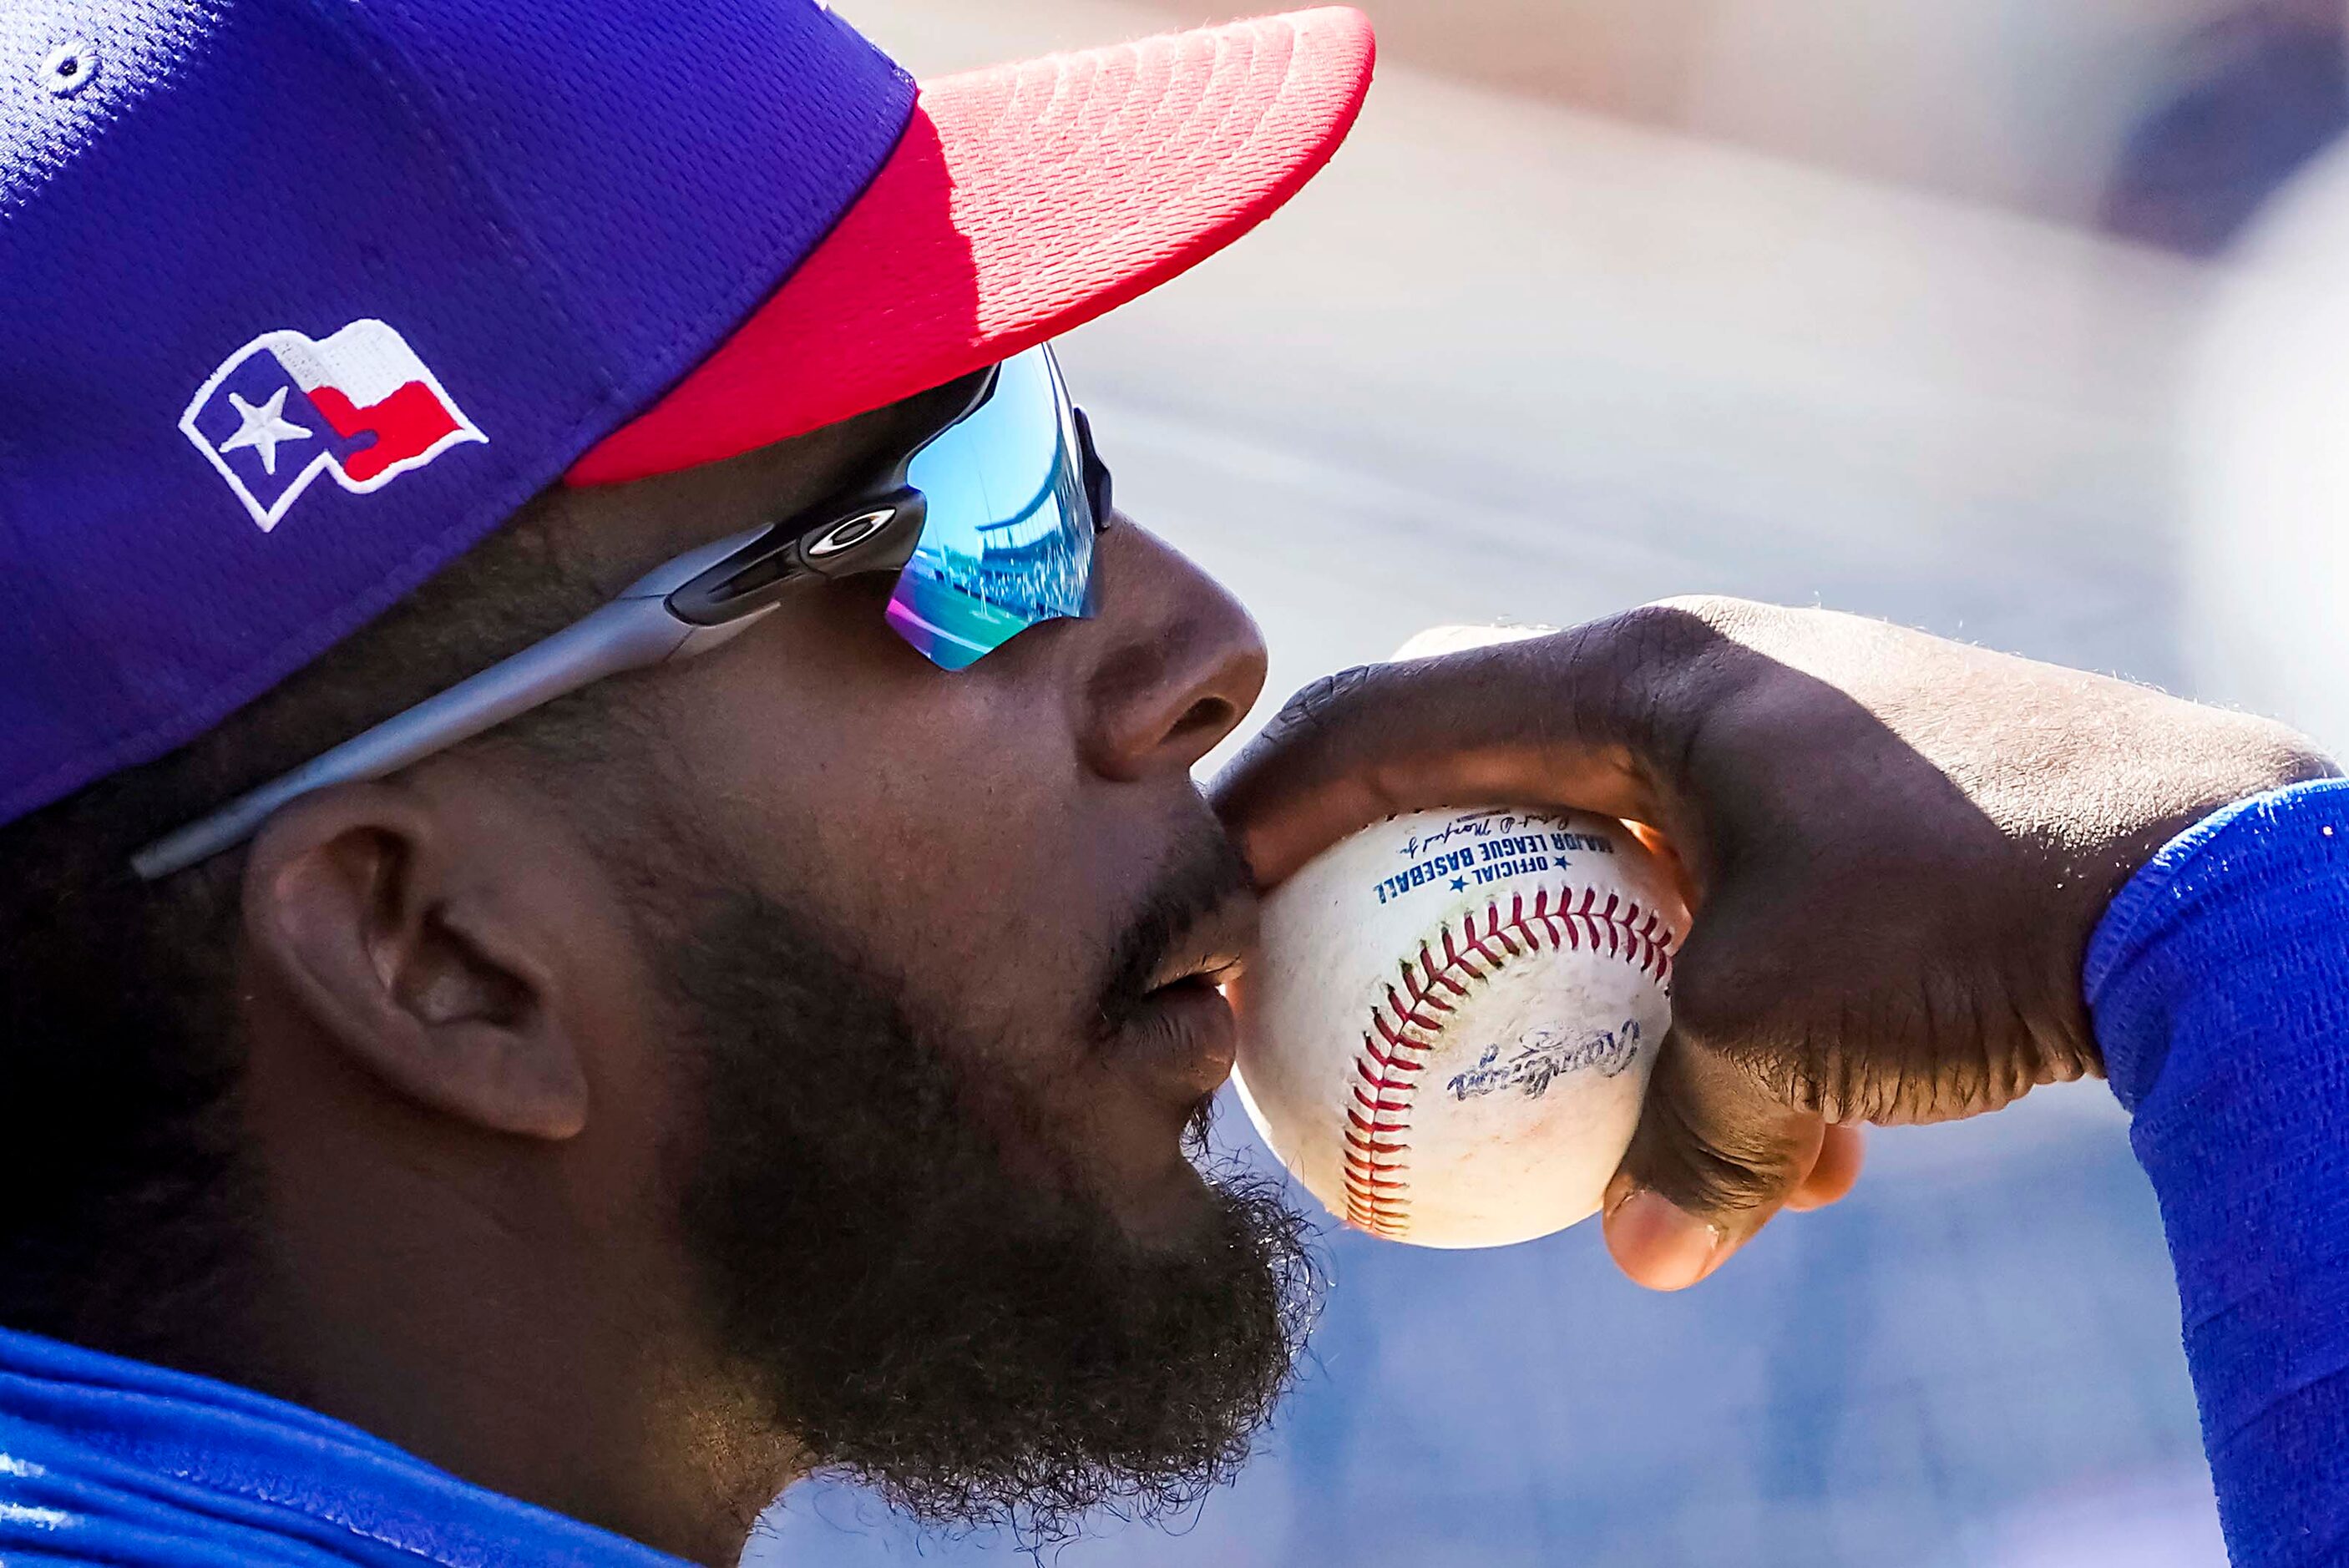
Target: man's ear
(413, 958)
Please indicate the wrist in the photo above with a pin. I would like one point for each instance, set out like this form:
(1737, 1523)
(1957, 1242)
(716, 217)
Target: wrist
(2248, 889)
(2171, 796)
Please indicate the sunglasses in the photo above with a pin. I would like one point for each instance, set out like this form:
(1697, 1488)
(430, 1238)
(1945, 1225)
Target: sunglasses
(988, 522)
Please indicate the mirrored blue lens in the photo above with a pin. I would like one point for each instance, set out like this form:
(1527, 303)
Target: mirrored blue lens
(1008, 540)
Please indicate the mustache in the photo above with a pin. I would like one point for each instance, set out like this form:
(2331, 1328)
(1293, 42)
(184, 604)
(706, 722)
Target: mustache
(1206, 871)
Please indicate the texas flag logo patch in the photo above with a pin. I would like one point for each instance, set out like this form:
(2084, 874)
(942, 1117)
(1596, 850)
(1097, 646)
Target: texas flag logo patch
(286, 408)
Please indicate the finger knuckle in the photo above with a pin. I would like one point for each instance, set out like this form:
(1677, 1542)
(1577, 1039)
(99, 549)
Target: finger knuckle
(1668, 629)
(1712, 1171)
(1711, 1159)
(1321, 702)
(1655, 660)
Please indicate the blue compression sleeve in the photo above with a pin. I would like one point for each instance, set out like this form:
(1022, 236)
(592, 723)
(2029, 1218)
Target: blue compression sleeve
(2218, 981)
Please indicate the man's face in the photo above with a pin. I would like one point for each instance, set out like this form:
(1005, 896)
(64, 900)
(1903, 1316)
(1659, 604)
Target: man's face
(936, 951)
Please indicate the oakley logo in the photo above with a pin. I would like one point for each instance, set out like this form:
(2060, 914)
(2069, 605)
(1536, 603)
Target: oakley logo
(850, 532)
(285, 408)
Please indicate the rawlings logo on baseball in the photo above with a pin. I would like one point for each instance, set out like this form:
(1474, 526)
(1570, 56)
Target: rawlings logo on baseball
(1544, 1057)
(1448, 1025)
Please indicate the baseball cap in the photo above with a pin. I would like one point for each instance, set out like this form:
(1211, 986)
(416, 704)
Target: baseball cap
(300, 298)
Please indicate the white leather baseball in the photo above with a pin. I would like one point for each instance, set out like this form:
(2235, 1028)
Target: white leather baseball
(1447, 1025)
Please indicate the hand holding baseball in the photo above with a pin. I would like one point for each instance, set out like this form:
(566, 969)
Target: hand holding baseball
(1895, 849)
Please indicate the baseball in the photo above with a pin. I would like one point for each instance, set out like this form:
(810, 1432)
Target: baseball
(1447, 1026)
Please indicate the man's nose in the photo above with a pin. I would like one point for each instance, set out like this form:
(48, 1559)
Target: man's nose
(1180, 663)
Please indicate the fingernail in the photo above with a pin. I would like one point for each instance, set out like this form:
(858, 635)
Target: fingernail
(1661, 1245)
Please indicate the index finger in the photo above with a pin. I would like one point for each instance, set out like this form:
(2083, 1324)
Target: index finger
(1543, 721)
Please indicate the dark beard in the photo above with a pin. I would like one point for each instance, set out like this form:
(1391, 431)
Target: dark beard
(978, 1349)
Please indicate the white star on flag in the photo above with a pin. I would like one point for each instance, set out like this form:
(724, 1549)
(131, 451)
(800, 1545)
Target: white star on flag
(263, 427)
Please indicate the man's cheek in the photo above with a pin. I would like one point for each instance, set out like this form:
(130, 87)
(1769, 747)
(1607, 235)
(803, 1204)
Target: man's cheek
(1002, 942)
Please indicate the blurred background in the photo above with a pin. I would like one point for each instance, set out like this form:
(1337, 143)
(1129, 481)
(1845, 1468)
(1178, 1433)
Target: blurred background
(2023, 321)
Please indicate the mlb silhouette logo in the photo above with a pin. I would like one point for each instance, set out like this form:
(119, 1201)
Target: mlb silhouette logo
(285, 408)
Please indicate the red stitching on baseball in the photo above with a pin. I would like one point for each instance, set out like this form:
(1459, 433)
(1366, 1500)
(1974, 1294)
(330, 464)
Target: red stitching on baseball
(1377, 1190)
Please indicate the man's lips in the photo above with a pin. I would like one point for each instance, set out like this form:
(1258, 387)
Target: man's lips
(1182, 1032)
(1184, 1037)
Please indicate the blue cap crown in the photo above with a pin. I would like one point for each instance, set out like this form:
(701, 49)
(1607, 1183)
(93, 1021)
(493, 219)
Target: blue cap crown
(300, 298)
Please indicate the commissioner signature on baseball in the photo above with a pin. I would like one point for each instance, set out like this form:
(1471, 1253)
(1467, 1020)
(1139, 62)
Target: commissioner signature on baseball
(1544, 1056)
(1477, 825)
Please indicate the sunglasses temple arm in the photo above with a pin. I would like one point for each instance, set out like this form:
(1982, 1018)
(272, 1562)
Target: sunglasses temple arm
(628, 634)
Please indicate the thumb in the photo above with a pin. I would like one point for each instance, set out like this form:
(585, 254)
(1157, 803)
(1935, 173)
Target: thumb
(1716, 1155)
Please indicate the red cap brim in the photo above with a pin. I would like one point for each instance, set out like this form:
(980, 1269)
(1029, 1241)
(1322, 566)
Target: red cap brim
(1022, 201)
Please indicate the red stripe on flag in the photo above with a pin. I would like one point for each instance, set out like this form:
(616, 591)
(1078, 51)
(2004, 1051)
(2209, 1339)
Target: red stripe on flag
(405, 425)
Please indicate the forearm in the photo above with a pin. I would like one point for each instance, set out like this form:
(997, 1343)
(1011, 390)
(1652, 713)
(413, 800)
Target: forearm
(2219, 984)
